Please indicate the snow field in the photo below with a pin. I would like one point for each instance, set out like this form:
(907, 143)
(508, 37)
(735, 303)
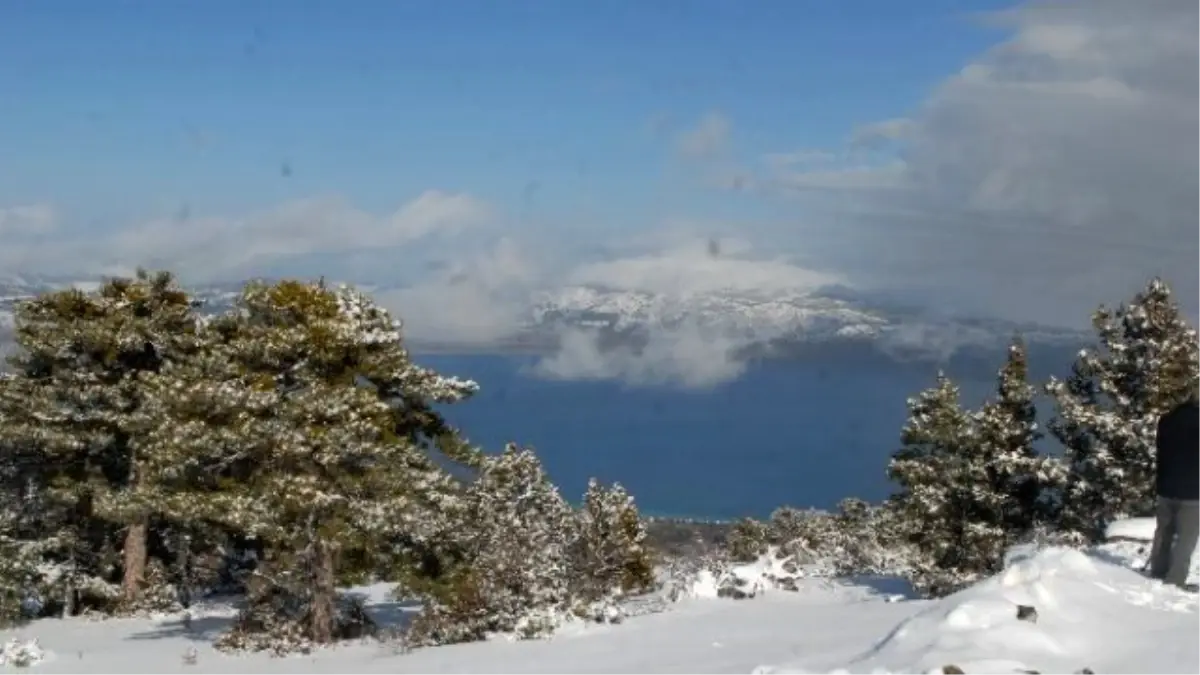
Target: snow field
(1093, 610)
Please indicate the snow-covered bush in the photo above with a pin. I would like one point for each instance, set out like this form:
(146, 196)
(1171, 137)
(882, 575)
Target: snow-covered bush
(748, 539)
(277, 621)
(857, 538)
(795, 544)
(520, 560)
(610, 555)
(511, 567)
(687, 577)
(159, 594)
(18, 653)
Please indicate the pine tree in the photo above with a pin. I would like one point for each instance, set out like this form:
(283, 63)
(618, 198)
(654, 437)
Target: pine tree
(973, 482)
(74, 398)
(1107, 410)
(304, 424)
(611, 553)
(944, 505)
(864, 540)
(513, 568)
(747, 540)
(1018, 475)
(20, 521)
(19, 557)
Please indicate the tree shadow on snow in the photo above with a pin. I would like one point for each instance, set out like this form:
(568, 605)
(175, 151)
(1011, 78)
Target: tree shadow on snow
(1135, 559)
(389, 616)
(200, 629)
(878, 586)
(205, 620)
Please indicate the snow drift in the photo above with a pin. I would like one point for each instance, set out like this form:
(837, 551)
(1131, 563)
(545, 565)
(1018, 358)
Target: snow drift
(1055, 610)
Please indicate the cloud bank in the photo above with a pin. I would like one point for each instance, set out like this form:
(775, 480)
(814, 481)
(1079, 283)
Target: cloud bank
(204, 247)
(1057, 170)
(684, 357)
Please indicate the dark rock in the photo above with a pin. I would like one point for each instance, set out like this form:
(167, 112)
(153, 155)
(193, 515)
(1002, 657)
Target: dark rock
(1027, 613)
(952, 670)
(1085, 671)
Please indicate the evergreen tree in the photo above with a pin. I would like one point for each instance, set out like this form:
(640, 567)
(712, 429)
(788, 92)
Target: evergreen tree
(18, 567)
(1023, 480)
(305, 425)
(973, 483)
(945, 506)
(612, 556)
(1107, 410)
(74, 400)
(513, 568)
(747, 540)
(865, 540)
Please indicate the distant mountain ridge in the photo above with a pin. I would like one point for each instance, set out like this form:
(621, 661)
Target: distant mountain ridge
(758, 324)
(778, 322)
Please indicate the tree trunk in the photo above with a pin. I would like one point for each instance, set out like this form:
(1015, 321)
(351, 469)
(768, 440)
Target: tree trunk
(183, 572)
(135, 563)
(324, 592)
(68, 588)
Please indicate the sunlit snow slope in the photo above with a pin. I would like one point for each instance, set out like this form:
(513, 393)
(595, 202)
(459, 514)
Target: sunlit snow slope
(1093, 611)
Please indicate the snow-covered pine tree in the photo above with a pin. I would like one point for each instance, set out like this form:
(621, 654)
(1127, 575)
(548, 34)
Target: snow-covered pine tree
(611, 553)
(304, 423)
(864, 540)
(1107, 409)
(17, 570)
(74, 399)
(19, 558)
(512, 568)
(945, 506)
(1023, 483)
(747, 540)
(24, 517)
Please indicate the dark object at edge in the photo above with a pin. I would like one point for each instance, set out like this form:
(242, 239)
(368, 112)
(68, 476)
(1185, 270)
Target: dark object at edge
(1177, 474)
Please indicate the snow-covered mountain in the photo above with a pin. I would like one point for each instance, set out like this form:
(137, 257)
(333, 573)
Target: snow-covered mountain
(752, 316)
(765, 323)
(779, 322)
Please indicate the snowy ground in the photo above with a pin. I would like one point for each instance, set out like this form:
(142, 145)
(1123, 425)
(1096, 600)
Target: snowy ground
(1093, 611)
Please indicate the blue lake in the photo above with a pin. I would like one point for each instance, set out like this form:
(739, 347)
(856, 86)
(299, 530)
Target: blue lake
(787, 432)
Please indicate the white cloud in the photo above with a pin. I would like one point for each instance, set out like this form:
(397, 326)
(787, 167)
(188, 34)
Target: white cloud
(683, 357)
(1056, 171)
(882, 132)
(482, 297)
(709, 138)
(27, 220)
(224, 247)
(476, 300)
(474, 290)
(886, 176)
(686, 355)
(700, 265)
(785, 160)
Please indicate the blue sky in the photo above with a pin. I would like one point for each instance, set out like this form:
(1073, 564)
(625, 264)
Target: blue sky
(117, 107)
(937, 146)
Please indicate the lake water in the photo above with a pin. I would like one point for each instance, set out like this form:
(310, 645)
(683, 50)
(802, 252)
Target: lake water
(797, 433)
